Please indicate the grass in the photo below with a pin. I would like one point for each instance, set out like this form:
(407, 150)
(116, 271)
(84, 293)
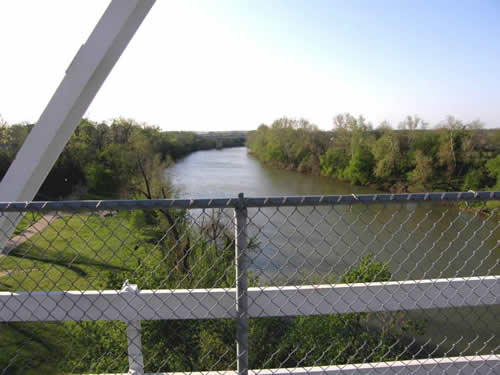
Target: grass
(72, 253)
(27, 220)
(30, 348)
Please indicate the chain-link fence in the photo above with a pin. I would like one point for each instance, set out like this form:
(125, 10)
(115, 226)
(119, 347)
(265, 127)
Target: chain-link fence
(336, 284)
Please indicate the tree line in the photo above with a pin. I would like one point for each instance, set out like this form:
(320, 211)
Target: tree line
(452, 155)
(107, 159)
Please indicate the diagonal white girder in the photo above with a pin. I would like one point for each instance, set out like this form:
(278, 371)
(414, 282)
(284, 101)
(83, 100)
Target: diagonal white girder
(84, 77)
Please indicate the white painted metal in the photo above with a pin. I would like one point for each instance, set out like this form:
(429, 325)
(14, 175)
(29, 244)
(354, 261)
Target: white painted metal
(134, 335)
(85, 75)
(375, 296)
(477, 365)
(268, 301)
(135, 358)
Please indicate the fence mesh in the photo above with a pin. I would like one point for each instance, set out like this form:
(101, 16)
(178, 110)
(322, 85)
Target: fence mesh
(96, 287)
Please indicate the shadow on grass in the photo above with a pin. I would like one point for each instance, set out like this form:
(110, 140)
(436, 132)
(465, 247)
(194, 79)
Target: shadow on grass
(63, 259)
(25, 330)
(5, 285)
(31, 348)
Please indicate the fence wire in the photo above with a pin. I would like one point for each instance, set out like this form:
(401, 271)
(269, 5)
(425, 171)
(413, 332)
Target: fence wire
(375, 282)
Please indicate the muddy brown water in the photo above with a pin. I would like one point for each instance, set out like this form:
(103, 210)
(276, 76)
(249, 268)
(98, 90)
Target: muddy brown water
(311, 244)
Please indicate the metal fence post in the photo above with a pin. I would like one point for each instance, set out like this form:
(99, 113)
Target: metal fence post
(241, 260)
(135, 358)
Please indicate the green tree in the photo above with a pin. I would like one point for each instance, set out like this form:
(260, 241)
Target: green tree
(333, 163)
(452, 132)
(473, 180)
(493, 167)
(360, 168)
(421, 176)
(387, 155)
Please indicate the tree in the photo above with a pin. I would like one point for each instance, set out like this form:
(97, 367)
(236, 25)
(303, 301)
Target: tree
(473, 180)
(384, 126)
(412, 123)
(493, 167)
(450, 131)
(333, 162)
(386, 153)
(473, 143)
(149, 182)
(360, 168)
(420, 176)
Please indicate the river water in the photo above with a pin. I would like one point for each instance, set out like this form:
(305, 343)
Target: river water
(310, 245)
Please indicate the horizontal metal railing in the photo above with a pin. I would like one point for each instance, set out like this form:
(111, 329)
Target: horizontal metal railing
(249, 202)
(164, 304)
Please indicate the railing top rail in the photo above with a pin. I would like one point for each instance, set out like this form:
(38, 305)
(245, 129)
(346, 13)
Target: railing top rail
(291, 201)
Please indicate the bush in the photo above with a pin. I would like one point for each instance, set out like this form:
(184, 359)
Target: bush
(473, 180)
(274, 342)
(360, 168)
(332, 163)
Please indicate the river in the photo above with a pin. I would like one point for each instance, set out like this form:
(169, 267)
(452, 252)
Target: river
(418, 240)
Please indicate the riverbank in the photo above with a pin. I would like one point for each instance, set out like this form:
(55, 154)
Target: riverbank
(419, 240)
(386, 187)
(484, 209)
(446, 158)
(111, 159)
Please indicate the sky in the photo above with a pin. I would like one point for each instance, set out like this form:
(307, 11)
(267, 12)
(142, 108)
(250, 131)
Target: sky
(232, 65)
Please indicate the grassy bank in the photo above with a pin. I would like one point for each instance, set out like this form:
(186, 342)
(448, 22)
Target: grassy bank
(73, 253)
(96, 252)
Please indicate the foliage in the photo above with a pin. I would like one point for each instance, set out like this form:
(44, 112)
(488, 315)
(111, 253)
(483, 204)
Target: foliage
(360, 168)
(274, 342)
(367, 271)
(106, 159)
(333, 163)
(386, 153)
(452, 155)
(421, 175)
(493, 167)
(289, 143)
(473, 180)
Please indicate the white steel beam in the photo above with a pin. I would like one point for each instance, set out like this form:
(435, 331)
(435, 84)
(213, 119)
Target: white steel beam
(134, 334)
(85, 75)
(470, 365)
(262, 302)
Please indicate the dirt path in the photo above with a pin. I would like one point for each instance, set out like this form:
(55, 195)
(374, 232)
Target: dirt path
(38, 227)
(29, 232)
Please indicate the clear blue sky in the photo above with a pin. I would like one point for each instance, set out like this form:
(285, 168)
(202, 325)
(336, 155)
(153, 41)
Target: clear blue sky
(199, 65)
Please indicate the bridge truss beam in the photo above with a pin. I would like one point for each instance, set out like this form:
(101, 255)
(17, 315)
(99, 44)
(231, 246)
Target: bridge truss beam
(84, 77)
